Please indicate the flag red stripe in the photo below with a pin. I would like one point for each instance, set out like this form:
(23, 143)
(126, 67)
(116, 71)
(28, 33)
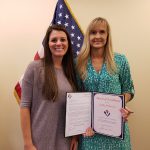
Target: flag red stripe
(36, 57)
(18, 90)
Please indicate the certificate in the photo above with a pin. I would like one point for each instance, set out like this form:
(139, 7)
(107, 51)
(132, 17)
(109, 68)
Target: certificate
(99, 111)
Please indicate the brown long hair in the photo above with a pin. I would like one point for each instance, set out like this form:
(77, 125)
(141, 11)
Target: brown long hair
(50, 87)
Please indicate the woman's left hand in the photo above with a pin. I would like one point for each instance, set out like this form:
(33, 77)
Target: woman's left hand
(126, 113)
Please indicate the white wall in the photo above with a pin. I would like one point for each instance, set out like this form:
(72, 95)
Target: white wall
(22, 28)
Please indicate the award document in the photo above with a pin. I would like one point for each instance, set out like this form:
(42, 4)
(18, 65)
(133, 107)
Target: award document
(99, 111)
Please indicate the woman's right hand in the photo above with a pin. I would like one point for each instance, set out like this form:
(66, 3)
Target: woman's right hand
(29, 147)
(89, 132)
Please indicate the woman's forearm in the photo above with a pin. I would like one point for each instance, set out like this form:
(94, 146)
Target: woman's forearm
(26, 125)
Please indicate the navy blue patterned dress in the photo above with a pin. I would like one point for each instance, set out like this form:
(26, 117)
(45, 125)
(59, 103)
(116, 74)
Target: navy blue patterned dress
(117, 83)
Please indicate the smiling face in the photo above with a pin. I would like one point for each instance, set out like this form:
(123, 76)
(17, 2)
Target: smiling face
(98, 36)
(58, 43)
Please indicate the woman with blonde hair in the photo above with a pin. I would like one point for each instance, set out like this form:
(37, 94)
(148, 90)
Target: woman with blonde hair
(102, 70)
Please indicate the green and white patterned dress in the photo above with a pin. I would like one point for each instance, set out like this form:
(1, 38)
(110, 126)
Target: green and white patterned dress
(102, 81)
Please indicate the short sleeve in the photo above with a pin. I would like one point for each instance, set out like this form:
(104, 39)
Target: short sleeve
(125, 77)
(27, 86)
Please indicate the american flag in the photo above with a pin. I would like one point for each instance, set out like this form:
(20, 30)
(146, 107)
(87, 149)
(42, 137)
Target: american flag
(64, 16)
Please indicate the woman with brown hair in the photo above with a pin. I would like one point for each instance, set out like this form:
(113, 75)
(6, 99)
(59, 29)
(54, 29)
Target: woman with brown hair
(43, 99)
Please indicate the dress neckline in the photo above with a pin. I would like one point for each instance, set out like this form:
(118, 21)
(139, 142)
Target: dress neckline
(96, 72)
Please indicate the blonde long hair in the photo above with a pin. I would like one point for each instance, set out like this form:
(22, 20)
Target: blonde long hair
(83, 56)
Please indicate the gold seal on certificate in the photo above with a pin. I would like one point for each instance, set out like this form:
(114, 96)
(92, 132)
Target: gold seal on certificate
(99, 111)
